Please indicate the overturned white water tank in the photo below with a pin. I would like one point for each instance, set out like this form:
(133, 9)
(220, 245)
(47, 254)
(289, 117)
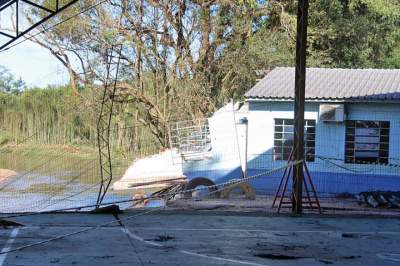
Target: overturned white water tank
(154, 171)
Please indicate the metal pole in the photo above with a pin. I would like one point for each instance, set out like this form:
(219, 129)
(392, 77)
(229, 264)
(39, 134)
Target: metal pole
(299, 100)
(246, 124)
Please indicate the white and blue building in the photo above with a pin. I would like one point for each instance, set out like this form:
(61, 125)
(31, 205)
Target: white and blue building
(352, 131)
(352, 136)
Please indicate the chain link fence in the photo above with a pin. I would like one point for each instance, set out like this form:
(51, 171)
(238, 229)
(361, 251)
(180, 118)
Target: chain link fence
(219, 163)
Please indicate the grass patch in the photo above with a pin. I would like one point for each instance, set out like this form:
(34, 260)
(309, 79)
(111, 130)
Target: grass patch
(34, 150)
(5, 138)
(45, 188)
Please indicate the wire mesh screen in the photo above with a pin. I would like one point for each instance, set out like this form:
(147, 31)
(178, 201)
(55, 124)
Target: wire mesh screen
(351, 164)
(237, 168)
(351, 152)
(49, 181)
(52, 177)
(219, 177)
(191, 137)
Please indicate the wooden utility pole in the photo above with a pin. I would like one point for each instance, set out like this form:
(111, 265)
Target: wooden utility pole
(299, 100)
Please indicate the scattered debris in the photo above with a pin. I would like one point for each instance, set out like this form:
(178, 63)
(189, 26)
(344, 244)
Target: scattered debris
(326, 261)
(157, 199)
(372, 201)
(380, 199)
(155, 203)
(319, 252)
(350, 257)
(103, 257)
(6, 223)
(110, 209)
(55, 261)
(354, 235)
(163, 238)
(276, 257)
(348, 235)
(344, 195)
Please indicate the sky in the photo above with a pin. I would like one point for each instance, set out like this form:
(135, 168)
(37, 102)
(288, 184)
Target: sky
(34, 64)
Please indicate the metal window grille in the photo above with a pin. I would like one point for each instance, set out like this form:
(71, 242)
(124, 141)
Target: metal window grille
(367, 142)
(191, 138)
(283, 139)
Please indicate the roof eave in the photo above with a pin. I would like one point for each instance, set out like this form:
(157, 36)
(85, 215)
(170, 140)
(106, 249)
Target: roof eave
(346, 100)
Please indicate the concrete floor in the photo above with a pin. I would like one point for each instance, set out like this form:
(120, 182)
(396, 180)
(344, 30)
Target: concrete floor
(202, 239)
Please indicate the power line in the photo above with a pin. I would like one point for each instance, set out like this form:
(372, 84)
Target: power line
(234, 181)
(54, 25)
(212, 190)
(58, 72)
(76, 232)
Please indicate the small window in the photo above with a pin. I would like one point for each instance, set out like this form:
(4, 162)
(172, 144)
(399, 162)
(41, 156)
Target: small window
(367, 142)
(284, 135)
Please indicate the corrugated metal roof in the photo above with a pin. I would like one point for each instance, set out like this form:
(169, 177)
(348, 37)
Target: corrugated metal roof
(331, 84)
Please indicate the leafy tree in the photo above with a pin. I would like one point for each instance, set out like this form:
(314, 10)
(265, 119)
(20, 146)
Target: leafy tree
(346, 33)
(8, 83)
(356, 33)
(184, 59)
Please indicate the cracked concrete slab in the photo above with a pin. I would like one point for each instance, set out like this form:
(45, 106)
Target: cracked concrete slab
(203, 239)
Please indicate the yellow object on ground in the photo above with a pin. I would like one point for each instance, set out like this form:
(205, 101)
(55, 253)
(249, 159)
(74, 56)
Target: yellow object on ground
(245, 187)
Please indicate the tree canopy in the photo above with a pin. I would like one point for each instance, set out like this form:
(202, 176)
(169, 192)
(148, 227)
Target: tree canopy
(182, 59)
(8, 82)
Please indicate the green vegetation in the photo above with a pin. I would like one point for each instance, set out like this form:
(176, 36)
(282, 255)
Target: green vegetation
(183, 60)
(8, 83)
(49, 115)
(59, 121)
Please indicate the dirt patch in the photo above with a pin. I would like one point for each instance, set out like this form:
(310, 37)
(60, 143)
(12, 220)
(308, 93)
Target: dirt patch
(5, 173)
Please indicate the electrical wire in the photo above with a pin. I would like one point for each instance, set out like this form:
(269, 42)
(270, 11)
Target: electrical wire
(75, 232)
(2, 148)
(124, 229)
(372, 164)
(30, 171)
(119, 221)
(66, 184)
(230, 182)
(219, 187)
(54, 25)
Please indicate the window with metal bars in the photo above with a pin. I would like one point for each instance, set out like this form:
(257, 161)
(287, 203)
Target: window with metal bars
(284, 135)
(367, 142)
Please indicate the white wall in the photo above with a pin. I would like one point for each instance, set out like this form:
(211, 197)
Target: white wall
(330, 137)
(381, 112)
(262, 117)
